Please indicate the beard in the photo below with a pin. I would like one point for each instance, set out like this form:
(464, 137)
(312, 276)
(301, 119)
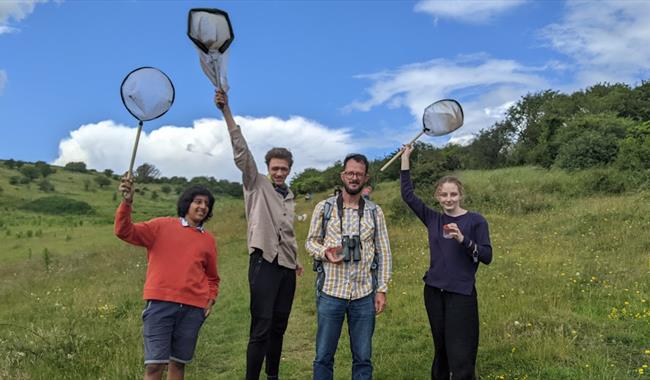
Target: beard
(352, 191)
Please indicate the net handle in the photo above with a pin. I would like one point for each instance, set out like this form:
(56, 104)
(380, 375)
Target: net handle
(400, 152)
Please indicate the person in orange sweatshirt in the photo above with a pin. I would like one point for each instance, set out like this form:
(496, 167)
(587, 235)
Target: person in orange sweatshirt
(182, 281)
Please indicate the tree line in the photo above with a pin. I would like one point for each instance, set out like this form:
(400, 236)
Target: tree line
(604, 126)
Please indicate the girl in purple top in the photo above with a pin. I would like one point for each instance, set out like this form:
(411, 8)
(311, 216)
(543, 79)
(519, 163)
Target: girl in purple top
(458, 241)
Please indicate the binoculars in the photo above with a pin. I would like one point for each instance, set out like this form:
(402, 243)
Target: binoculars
(351, 248)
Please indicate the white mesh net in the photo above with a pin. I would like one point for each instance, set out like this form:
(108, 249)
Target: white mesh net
(211, 32)
(442, 117)
(147, 93)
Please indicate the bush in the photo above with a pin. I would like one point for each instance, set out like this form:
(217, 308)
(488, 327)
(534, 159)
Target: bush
(102, 181)
(44, 168)
(30, 172)
(58, 205)
(607, 181)
(166, 189)
(14, 180)
(75, 167)
(45, 186)
(587, 150)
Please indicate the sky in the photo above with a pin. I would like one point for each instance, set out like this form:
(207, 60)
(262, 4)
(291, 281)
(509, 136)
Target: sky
(322, 78)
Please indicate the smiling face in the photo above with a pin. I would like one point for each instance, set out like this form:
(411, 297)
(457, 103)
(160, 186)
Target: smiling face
(198, 210)
(279, 170)
(354, 176)
(449, 196)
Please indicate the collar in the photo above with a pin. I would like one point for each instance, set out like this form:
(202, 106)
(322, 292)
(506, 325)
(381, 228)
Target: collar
(185, 223)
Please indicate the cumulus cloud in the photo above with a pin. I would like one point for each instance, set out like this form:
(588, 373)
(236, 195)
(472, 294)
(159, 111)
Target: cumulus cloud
(469, 11)
(607, 40)
(204, 149)
(15, 10)
(485, 87)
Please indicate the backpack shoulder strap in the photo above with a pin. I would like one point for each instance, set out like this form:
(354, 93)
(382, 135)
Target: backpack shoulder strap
(327, 214)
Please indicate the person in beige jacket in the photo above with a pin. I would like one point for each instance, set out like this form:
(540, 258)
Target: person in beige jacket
(271, 244)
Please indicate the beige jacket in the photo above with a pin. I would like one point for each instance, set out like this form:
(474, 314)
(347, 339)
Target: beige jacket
(269, 216)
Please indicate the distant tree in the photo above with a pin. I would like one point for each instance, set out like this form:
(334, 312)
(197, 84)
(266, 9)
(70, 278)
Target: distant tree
(102, 181)
(108, 173)
(11, 163)
(46, 186)
(76, 167)
(44, 168)
(146, 173)
(30, 172)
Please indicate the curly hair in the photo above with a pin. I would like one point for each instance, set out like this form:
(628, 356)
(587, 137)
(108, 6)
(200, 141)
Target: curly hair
(186, 199)
(281, 153)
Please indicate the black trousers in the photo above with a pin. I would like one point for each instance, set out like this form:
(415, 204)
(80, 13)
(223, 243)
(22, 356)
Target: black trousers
(272, 288)
(454, 326)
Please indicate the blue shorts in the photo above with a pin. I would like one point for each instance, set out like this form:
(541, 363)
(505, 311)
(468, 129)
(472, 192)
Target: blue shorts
(170, 331)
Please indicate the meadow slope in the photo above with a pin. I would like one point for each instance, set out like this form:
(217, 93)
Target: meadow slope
(566, 297)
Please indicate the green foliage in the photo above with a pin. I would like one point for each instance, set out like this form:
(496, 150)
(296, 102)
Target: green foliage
(43, 168)
(166, 189)
(587, 150)
(75, 167)
(29, 172)
(45, 186)
(634, 150)
(154, 195)
(58, 205)
(108, 173)
(86, 184)
(10, 164)
(14, 180)
(102, 181)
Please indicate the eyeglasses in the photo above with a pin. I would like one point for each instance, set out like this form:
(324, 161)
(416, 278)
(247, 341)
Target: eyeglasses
(351, 175)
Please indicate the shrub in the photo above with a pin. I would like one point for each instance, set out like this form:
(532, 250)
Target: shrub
(102, 181)
(14, 180)
(608, 181)
(75, 167)
(166, 189)
(30, 172)
(58, 205)
(45, 186)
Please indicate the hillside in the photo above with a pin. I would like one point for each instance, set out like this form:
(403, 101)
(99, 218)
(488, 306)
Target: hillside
(566, 296)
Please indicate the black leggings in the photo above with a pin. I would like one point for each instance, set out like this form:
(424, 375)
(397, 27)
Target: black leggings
(272, 288)
(454, 325)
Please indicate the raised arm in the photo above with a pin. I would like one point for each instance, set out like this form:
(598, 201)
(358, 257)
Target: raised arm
(243, 156)
(406, 186)
(142, 234)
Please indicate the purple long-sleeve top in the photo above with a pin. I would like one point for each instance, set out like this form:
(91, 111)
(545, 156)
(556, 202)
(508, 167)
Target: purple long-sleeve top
(452, 265)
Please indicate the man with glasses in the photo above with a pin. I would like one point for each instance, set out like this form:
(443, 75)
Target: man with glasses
(349, 243)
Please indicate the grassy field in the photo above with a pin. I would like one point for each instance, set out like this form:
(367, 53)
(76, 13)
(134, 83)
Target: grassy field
(566, 297)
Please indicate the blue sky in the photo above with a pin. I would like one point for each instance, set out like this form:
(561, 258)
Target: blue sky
(321, 78)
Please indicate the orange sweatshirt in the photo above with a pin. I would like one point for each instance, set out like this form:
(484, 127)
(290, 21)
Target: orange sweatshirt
(181, 261)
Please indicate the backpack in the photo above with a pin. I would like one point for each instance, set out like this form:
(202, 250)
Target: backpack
(330, 203)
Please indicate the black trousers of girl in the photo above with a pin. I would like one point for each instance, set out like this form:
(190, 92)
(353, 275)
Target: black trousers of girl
(454, 325)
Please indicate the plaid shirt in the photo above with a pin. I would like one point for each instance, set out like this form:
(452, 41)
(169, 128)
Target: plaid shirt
(351, 280)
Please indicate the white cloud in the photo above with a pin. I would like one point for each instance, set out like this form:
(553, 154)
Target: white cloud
(3, 80)
(16, 10)
(469, 11)
(485, 87)
(204, 149)
(607, 40)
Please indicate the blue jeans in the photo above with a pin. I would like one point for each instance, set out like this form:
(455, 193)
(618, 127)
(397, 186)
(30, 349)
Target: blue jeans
(361, 325)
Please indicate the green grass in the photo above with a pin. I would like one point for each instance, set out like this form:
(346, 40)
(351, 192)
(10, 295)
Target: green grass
(566, 297)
